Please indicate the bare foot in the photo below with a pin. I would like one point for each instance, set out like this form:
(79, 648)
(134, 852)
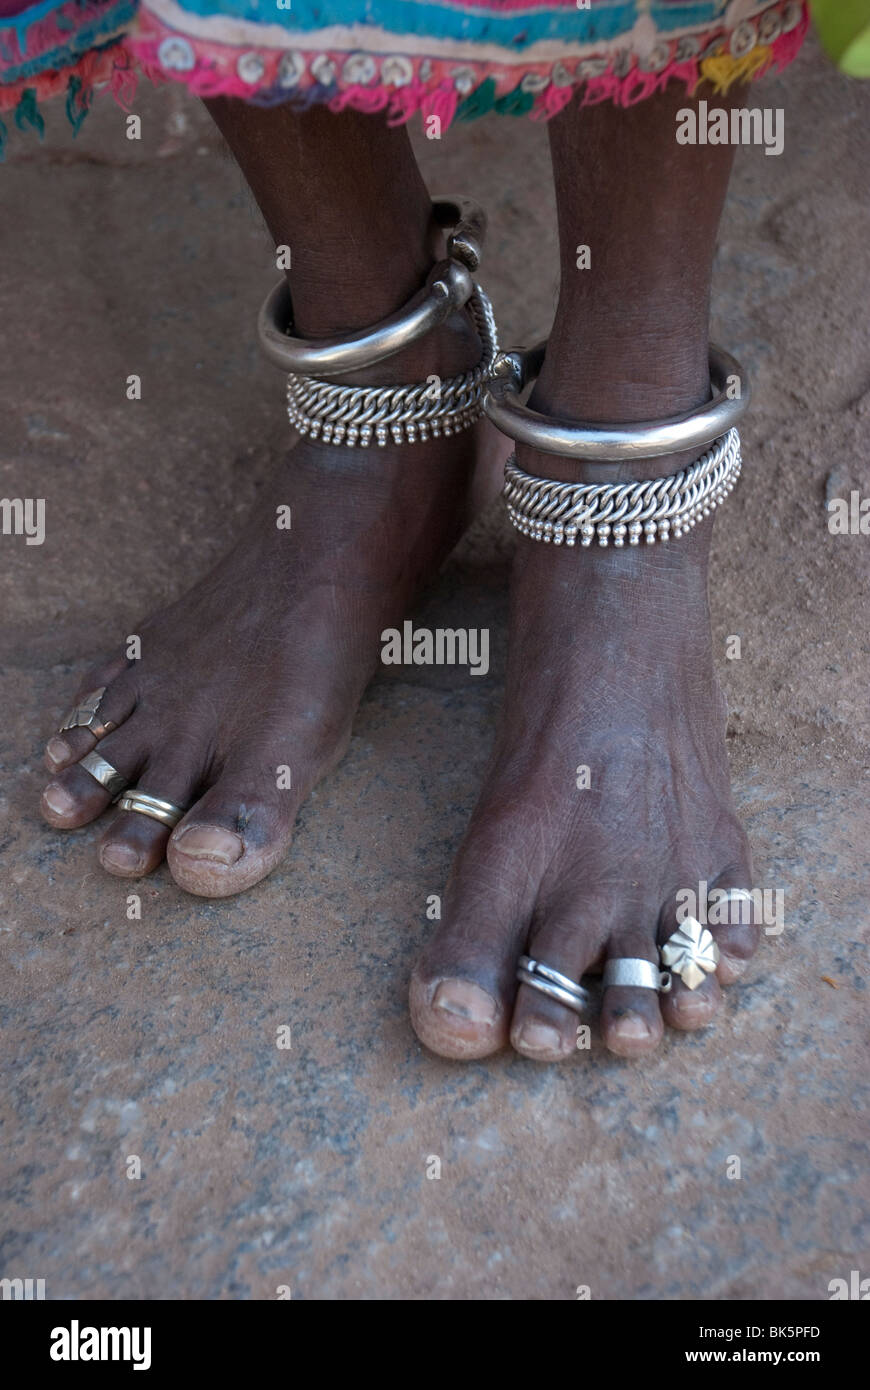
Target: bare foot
(262, 665)
(610, 669)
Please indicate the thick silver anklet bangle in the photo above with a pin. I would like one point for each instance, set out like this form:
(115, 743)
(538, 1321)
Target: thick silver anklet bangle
(516, 369)
(362, 415)
(448, 286)
(657, 509)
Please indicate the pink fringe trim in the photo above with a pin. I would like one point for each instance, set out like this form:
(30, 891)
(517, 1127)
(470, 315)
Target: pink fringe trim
(432, 87)
(109, 69)
(436, 87)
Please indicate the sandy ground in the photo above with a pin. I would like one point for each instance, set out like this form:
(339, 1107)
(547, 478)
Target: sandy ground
(307, 1167)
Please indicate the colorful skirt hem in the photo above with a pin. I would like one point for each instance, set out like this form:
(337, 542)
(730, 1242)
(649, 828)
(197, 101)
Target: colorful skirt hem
(448, 62)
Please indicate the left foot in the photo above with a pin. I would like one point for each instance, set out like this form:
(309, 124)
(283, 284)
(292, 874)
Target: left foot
(610, 668)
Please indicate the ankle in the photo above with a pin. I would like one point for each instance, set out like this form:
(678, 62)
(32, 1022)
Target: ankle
(327, 306)
(620, 380)
(685, 554)
(448, 350)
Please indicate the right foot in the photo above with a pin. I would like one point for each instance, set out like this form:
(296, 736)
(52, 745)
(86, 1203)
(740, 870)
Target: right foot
(262, 665)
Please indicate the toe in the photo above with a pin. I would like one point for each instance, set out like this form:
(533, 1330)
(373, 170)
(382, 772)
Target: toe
(631, 1020)
(238, 831)
(460, 1017)
(682, 1007)
(104, 673)
(738, 932)
(688, 1009)
(465, 981)
(568, 938)
(74, 798)
(135, 843)
(69, 745)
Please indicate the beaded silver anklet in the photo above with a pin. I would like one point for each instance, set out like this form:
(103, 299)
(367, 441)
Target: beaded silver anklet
(621, 512)
(404, 414)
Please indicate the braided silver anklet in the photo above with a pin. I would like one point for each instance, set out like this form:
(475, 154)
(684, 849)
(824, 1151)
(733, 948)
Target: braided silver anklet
(404, 414)
(620, 512)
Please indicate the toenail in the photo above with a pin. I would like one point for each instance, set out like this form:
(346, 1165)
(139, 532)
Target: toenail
(120, 857)
(539, 1037)
(465, 999)
(209, 842)
(57, 800)
(691, 1006)
(632, 1026)
(57, 751)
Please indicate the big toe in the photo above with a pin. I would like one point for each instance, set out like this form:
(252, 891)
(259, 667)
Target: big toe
(463, 987)
(235, 835)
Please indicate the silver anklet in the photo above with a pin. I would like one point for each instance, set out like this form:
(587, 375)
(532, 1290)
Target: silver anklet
(402, 414)
(352, 415)
(654, 510)
(515, 370)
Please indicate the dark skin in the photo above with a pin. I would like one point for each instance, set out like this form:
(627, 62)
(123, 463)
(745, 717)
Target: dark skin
(610, 662)
(263, 664)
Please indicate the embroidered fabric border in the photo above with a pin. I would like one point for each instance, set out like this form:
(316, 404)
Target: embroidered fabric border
(41, 56)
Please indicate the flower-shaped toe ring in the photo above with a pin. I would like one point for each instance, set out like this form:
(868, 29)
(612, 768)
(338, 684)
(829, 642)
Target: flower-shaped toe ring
(691, 952)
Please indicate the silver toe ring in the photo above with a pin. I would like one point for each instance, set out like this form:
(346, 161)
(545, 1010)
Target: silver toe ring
(108, 776)
(691, 952)
(552, 983)
(86, 715)
(638, 973)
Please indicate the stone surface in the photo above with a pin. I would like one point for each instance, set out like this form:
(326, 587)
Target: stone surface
(307, 1167)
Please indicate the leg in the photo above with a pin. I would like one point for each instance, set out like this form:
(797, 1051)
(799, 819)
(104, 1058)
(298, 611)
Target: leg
(262, 665)
(610, 659)
(345, 194)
